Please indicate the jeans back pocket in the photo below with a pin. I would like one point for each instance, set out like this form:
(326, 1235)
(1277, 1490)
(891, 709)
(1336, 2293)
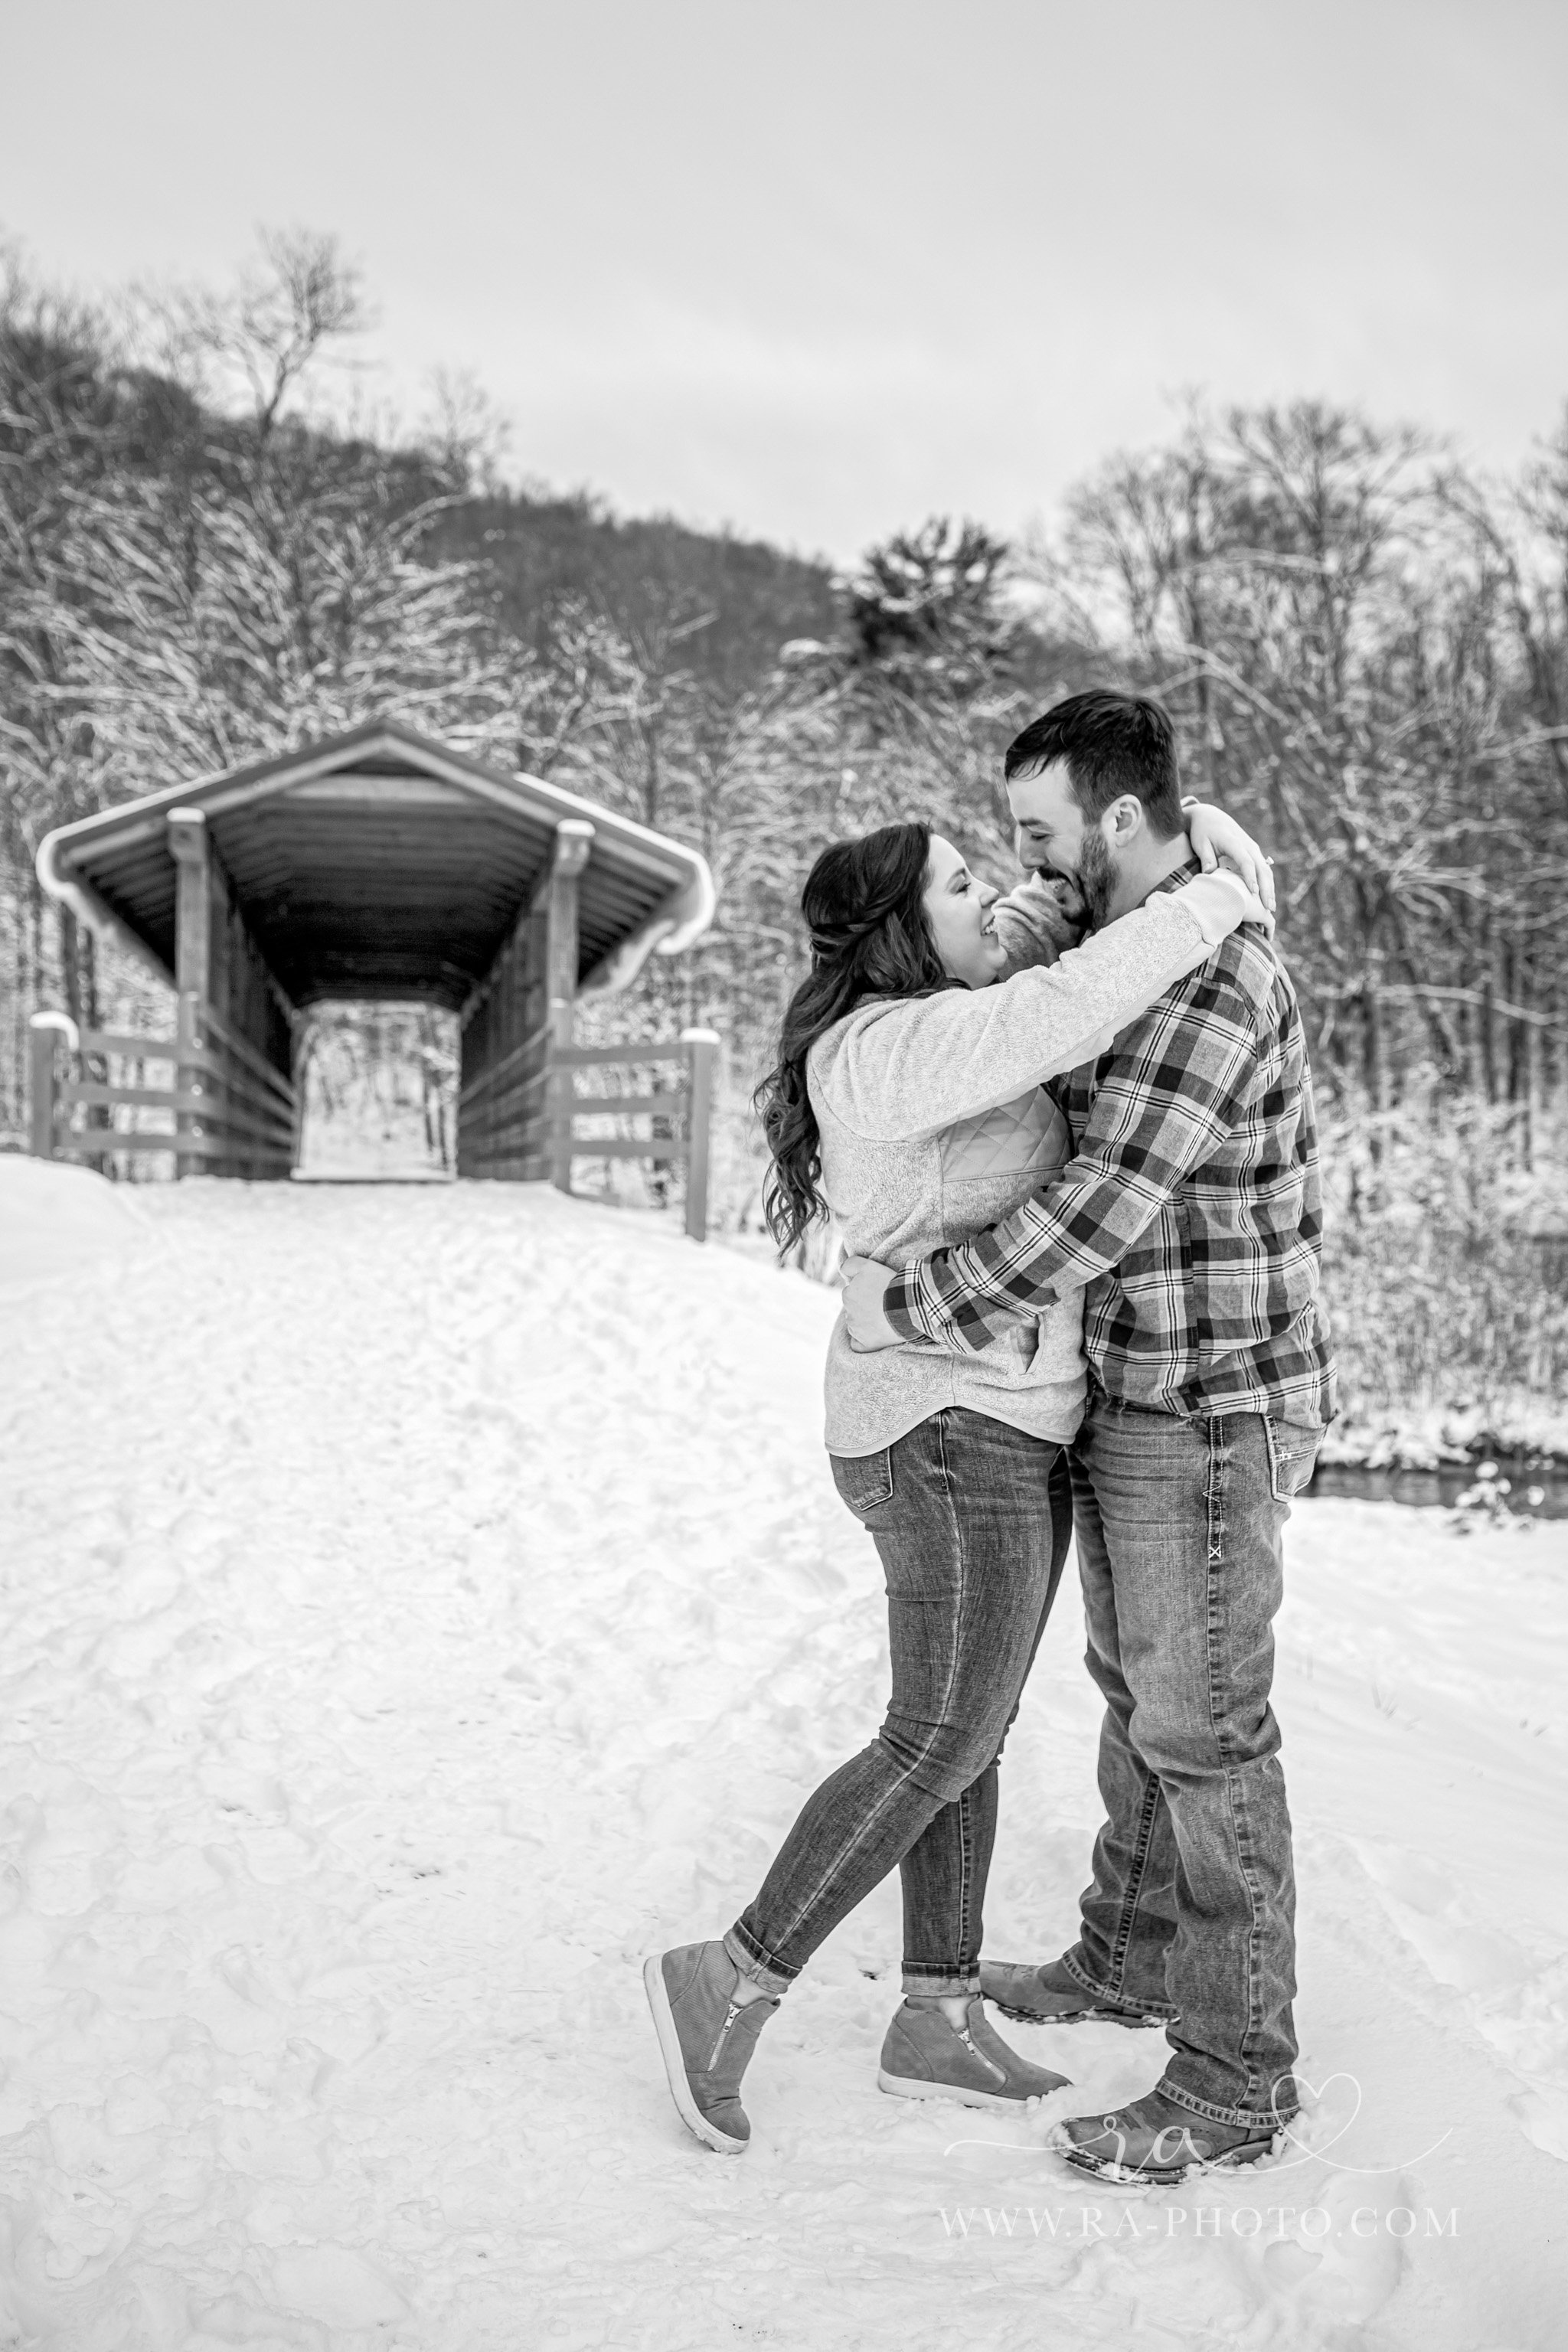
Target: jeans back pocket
(864, 1480)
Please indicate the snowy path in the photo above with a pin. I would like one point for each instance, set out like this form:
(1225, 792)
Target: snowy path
(418, 1604)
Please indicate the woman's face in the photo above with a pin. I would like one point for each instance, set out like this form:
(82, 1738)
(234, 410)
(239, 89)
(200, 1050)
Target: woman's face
(958, 908)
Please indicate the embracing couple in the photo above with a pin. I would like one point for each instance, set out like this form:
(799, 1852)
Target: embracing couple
(1068, 1137)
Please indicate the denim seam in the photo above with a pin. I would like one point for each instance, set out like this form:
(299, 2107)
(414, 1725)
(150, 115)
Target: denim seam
(869, 1823)
(965, 1868)
(964, 1872)
(1135, 1877)
(860, 1830)
(1234, 1797)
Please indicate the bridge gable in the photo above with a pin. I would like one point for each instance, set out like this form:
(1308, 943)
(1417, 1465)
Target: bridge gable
(379, 865)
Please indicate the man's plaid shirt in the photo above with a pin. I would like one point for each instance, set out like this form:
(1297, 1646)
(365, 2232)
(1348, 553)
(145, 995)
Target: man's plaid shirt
(1191, 1214)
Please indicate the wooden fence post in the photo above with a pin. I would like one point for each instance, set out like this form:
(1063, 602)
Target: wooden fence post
(701, 1053)
(187, 833)
(189, 1078)
(44, 1073)
(297, 1074)
(574, 840)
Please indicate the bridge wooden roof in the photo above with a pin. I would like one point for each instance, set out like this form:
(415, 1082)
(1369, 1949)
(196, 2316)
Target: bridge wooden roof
(379, 865)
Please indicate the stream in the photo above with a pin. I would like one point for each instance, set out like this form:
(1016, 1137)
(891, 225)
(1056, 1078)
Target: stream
(1514, 1489)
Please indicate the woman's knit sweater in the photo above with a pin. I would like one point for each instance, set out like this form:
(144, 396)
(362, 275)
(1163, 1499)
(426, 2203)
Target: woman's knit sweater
(934, 1124)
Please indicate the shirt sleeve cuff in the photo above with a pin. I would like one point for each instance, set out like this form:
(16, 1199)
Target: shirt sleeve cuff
(897, 1306)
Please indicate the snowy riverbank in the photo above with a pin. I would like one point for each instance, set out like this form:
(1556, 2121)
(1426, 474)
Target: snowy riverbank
(1526, 1433)
(417, 1604)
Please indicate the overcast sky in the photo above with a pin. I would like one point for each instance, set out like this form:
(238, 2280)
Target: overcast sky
(817, 271)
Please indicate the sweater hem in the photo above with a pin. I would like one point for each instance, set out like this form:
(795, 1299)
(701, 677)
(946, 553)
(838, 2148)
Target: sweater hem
(902, 1428)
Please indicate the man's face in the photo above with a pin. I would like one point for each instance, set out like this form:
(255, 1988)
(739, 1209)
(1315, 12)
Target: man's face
(1054, 837)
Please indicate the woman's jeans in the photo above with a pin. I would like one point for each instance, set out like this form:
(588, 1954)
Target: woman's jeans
(1190, 1916)
(972, 1519)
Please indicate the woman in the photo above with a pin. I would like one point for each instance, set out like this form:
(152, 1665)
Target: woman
(908, 1101)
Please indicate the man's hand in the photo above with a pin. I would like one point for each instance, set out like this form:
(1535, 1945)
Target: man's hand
(865, 1285)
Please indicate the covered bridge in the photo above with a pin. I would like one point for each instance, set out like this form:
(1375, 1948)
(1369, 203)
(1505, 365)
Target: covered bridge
(382, 866)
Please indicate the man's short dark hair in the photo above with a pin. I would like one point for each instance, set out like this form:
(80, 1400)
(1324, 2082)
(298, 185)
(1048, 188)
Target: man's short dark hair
(1113, 743)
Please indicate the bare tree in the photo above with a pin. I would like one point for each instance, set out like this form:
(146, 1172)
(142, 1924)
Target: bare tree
(252, 346)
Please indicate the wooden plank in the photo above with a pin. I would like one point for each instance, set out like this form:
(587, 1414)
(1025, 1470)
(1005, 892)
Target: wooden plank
(100, 1142)
(528, 1164)
(352, 852)
(214, 1064)
(379, 843)
(237, 1078)
(262, 1113)
(519, 1089)
(210, 1110)
(582, 1057)
(497, 1070)
(509, 1142)
(238, 1118)
(516, 1089)
(627, 1106)
(620, 1147)
(251, 1055)
(285, 904)
(512, 1111)
(316, 866)
(482, 1126)
(341, 820)
(83, 1090)
(115, 1041)
(348, 789)
(257, 1107)
(373, 886)
(215, 1110)
(531, 1166)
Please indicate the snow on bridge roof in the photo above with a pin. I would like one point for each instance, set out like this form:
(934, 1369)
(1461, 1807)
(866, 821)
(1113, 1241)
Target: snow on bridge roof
(381, 865)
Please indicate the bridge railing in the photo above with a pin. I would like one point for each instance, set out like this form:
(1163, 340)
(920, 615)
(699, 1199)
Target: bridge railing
(229, 1111)
(521, 1116)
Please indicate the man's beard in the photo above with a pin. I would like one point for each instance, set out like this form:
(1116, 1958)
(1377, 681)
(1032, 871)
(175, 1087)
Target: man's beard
(1096, 877)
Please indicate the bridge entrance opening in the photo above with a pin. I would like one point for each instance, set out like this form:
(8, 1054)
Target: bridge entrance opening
(378, 1094)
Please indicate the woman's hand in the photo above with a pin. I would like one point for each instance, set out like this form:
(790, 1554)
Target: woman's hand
(864, 1284)
(1241, 904)
(1216, 837)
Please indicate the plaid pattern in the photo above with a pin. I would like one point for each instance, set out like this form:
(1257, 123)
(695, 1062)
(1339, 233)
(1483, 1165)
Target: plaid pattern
(1191, 1215)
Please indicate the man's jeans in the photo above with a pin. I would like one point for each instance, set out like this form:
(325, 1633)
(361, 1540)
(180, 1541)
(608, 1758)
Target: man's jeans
(972, 1519)
(1191, 1913)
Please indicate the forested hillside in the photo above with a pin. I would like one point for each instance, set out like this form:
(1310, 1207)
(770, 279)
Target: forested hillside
(1366, 650)
(727, 603)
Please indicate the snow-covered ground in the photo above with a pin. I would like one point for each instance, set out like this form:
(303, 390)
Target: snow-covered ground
(420, 1602)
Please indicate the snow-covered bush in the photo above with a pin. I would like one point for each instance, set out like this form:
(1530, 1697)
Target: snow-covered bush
(1446, 1265)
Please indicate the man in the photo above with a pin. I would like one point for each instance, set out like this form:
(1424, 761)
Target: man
(1190, 1218)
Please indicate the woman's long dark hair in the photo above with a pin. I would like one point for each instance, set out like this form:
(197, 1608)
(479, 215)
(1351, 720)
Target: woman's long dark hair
(864, 907)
